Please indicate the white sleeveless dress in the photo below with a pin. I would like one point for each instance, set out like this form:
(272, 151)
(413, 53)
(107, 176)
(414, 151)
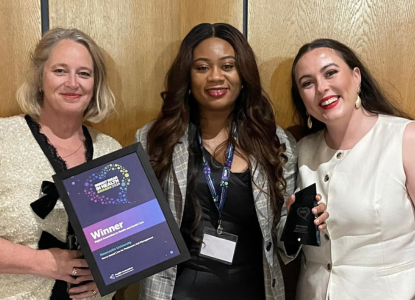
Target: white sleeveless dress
(368, 249)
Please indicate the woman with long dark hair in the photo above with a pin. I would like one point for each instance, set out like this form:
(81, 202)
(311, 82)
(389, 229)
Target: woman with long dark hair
(217, 126)
(359, 150)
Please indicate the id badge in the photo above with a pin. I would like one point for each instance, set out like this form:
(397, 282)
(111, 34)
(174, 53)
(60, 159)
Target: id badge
(220, 247)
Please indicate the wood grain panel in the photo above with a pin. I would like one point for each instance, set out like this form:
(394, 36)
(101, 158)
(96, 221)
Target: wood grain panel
(381, 32)
(140, 39)
(20, 30)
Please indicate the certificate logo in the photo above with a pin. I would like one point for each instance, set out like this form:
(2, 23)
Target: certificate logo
(109, 186)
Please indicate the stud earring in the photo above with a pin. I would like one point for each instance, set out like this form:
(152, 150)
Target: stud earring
(309, 122)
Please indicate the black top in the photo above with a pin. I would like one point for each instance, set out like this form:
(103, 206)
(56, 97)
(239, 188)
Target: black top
(47, 241)
(203, 278)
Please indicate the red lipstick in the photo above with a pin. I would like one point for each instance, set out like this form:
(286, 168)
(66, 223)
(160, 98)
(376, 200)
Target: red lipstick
(329, 102)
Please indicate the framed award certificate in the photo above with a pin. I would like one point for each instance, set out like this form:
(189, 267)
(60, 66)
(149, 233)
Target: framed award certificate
(121, 218)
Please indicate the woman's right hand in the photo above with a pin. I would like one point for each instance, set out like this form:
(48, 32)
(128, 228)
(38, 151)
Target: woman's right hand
(60, 264)
(319, 210)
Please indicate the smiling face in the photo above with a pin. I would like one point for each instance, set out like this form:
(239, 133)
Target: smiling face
(215, 81)
(327, 86)
(68, 79)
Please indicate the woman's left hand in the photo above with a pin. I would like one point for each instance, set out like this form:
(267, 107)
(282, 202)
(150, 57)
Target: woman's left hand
(87, 290)
(320, 210)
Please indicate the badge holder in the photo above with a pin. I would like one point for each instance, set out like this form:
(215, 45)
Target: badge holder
(218, 245)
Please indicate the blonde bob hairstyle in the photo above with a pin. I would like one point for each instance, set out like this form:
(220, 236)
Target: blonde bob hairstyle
(30, 94)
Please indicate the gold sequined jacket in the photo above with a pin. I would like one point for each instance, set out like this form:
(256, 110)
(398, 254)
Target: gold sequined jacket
(23, 167)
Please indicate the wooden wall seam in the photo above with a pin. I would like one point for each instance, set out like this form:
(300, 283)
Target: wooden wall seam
(44, 15)
(245, 18)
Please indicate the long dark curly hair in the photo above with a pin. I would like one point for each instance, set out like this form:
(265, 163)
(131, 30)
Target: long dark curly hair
(373, 98)
(253, 115)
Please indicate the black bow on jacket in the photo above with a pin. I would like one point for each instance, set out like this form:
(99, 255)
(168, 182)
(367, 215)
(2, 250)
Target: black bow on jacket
(48, 197)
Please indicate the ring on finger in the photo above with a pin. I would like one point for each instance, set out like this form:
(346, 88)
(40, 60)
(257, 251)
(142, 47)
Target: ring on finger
(74, 271)
(94, 293)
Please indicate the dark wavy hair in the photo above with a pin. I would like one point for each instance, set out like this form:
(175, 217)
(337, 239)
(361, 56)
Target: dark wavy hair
(373, 98)
(253, 115)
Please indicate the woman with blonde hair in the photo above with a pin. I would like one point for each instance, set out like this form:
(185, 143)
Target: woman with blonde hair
(68, 86)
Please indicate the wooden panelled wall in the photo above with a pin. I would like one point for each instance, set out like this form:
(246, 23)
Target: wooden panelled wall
(382, 33)
(141, 37)
(19, 31)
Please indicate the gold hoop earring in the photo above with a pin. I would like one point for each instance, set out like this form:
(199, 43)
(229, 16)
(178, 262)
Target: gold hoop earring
(309, 122)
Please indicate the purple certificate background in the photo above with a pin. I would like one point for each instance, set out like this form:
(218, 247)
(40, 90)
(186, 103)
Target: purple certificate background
(133, 203)
(89, 212)
(147, 215)
(160, 248)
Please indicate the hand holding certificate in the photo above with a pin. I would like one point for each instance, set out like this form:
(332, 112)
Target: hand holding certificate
(121, 218)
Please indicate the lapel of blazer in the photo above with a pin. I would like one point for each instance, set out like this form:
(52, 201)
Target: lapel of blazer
(180, 165)
(261, 199)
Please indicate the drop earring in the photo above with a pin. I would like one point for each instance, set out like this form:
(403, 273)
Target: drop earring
(358, 103)
(309, 122)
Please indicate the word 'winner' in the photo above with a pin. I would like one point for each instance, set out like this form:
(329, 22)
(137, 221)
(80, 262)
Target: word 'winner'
(107, 184)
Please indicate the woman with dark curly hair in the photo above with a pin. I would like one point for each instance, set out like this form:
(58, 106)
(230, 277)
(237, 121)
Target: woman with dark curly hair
(217, 126)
